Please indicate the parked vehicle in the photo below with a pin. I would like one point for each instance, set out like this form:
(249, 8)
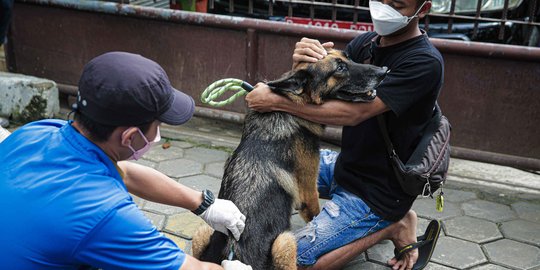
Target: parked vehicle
(514, 32)
(520, 27)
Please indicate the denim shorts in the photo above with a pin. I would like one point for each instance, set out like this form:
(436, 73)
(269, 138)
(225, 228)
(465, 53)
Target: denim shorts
(343, 219)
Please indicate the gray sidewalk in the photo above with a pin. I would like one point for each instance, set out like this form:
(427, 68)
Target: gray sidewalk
(491, 217)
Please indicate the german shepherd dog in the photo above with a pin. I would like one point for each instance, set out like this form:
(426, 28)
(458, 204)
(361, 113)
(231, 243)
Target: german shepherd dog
(276, 164)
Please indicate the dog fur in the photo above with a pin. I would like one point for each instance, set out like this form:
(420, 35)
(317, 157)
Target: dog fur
(275, 166)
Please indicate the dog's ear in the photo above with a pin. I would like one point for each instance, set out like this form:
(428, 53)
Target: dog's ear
(291, 82)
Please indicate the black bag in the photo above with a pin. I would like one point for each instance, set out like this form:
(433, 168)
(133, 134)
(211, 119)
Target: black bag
(426, 169)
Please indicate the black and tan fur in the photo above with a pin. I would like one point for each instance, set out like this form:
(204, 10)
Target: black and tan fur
(275, 167)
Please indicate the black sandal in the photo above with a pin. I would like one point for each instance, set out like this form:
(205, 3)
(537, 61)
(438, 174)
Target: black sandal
(425, 245)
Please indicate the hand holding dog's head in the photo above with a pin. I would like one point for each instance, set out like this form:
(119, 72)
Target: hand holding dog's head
(333, 77)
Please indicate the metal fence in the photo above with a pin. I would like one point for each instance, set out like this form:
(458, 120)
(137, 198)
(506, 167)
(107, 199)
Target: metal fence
(495, 21)
(507, 21)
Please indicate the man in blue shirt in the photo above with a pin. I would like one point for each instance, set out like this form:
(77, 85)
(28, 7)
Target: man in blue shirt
(64, 185)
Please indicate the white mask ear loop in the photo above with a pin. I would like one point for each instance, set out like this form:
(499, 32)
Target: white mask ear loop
(417, 11)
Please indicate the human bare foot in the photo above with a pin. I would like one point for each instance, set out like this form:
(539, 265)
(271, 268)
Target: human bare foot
(404, 233)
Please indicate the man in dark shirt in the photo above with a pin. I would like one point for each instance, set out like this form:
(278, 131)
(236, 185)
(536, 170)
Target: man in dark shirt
(367, 203)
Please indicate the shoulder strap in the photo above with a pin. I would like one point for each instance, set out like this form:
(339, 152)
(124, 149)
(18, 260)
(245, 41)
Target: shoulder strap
(389, 146)
(384, 130)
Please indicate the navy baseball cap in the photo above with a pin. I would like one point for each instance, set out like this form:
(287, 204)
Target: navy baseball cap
(125, 89)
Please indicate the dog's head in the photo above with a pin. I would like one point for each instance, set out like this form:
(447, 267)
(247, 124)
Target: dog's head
(333, 77)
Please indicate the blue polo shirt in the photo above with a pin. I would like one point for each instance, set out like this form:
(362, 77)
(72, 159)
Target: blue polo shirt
(63, 205)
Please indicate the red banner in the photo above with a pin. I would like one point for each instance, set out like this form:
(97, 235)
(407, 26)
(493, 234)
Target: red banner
(362, 26)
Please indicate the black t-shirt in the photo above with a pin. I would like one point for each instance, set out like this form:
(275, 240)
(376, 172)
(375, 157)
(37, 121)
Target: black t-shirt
(410, 90)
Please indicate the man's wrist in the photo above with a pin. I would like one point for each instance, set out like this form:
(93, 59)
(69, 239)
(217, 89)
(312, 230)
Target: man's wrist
(208, 199)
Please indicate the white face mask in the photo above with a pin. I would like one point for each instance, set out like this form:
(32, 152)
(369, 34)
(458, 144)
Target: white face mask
(387, 20)
(147, 145)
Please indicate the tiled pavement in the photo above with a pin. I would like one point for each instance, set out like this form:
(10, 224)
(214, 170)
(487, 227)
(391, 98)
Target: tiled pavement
(484, 227)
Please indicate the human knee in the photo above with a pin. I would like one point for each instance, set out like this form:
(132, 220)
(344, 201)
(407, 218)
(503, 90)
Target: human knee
(327, 162)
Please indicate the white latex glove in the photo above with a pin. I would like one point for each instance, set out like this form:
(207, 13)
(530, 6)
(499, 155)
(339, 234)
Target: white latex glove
(235, 265)
(223, 215)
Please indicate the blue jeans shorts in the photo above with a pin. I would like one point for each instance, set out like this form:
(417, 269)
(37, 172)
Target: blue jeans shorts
(343, 219)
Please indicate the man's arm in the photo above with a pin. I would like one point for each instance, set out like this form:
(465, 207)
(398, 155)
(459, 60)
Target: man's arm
(155, 186)
(332, 112)
(192, 263)
(147, 183)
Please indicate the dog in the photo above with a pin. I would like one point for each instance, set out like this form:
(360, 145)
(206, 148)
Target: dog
(276, 164)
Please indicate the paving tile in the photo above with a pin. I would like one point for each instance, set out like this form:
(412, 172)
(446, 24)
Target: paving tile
(215, 169)
(513, 254)
(162, 208)
(145, 162)
(182, 243)
(457, 253)
(489, 267)
(522, 230)
(355, 262)
(157, 153)
(381, 252)
(472, 229)
(138, 201)
(488, 210)
(426, 208)
(434, 266)
(527, 211)
(454, 195)
(177, 168)
(200, 182)
(297, 222)
(365, 266)
(206, 155)
(184, 224)
(157, 220)
(181, 144)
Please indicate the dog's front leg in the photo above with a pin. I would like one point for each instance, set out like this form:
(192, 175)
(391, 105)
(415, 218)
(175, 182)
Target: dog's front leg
(306, 173)
(309, 197)
(307, 188)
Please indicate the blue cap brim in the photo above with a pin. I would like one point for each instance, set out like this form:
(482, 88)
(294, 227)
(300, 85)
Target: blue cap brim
(181, 110)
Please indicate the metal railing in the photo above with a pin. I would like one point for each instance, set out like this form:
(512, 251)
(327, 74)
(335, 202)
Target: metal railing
(357, 10)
